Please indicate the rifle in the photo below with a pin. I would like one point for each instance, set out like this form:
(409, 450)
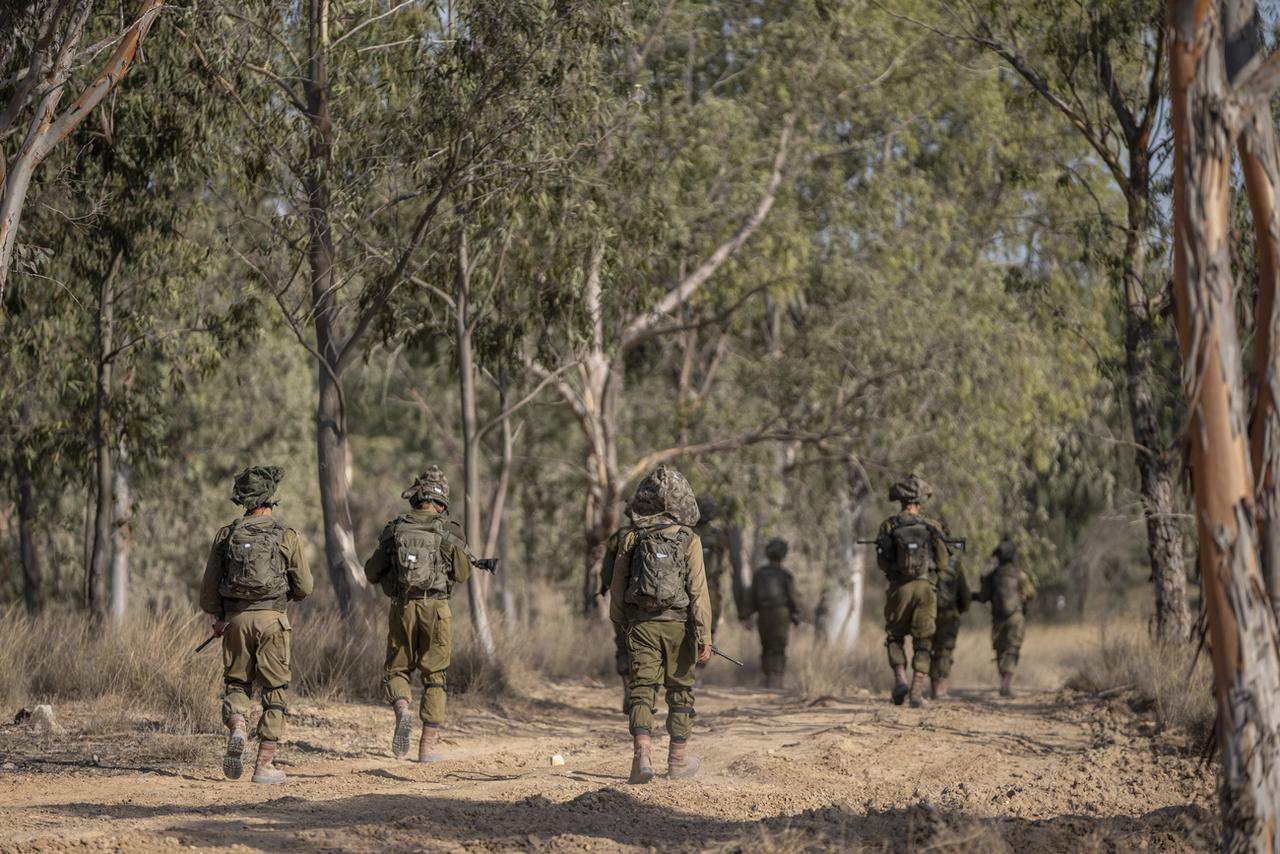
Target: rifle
(716, 651)
(488, 564)
(959, 543)
(207, 641)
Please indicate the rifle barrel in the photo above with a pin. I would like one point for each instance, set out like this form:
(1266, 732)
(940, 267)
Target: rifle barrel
(716, 650)
(207, 641)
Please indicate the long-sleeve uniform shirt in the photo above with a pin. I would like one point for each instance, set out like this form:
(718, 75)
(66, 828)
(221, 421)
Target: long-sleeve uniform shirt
(697, 613)
(380, 568)
(296, 572)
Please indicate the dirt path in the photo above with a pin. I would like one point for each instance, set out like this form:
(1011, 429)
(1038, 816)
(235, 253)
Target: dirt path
(1042, 772)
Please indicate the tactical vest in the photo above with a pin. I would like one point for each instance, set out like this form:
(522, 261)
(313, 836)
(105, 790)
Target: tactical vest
(422, 568)
(659, 570)
(910, 546)
(769, 587)
(255, 569)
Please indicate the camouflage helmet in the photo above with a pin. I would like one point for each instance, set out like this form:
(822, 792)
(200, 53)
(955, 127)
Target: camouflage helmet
(431, 485)
(256, 486)
(708, 509)
(664, 493)
(1006, 552)
(911, 490)
(776, 549)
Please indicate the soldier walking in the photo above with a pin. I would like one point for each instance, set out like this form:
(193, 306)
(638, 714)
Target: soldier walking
(1008, 589)
(420, 556)
(909, 550)
(255, 568)
(773, 601)
(953, 601)
(659, 600)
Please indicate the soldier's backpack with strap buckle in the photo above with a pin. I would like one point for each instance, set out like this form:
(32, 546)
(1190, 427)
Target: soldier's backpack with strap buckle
(912, 551)
(1006, 599)
(421, 568)
(770, 588)
(254, 568)
(659, 569)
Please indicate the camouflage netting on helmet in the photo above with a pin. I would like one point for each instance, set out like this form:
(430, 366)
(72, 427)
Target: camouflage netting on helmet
(708, 509)
(911, 490)
(1006, 552)
(431, 485)
(256, 486)
(776, 549)
(664, 496)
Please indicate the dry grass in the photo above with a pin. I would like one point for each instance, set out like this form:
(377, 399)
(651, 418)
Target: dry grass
(1164, 680)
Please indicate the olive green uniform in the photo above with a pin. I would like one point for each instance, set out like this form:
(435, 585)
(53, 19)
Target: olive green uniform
(663, 647)
(1008, 588)
(621, 658)
(715, 561)
(953, 600)
(256, 639)
(911, 604)
(419, 628)
(774, 602)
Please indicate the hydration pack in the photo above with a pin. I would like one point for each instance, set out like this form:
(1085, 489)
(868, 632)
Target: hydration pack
(659, 569)
(421, 567)
(254, 569)
(912, 549)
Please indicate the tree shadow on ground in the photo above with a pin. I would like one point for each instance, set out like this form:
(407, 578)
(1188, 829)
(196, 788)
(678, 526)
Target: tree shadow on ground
(610, 816)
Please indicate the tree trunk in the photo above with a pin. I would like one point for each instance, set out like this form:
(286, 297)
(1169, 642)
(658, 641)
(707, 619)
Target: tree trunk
(331, 429)
(844, 611)
(122, 535)
(100, 561)
(1242, 627)
(478, 583)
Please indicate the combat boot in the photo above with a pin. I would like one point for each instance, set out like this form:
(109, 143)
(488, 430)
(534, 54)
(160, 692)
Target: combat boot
(428, 744)
(939, 688)
(641, 759)
(1006, 684)
(680, 765)
(917, 691)
(404, 728)
(233, 759)
(900, 687)
(264, 771)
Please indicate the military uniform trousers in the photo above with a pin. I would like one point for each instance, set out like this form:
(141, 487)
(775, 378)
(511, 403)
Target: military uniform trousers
(419, 637)
(255, 651)
(621, 657)
(946, 631)
(663, 654)
(715, 589)
(910, 609)
(775, 626)
(1006, 637)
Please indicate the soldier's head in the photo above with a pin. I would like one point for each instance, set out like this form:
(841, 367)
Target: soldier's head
(911, 492)
(776, 549)
(429, 489)
(255, 488)
(1006, 552)
(664, 496)
(708, 509)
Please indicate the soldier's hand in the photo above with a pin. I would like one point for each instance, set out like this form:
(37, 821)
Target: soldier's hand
(219, 626)
(704, 653)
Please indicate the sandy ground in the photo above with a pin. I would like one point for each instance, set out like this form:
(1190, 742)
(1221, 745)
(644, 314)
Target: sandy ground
(1047, 771)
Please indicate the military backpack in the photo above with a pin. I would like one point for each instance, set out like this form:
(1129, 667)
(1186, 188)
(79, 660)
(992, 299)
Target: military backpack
(659, 569)
(909, 548)
(421, 565)
(769, 587)
(1006, 599)
(255, 569)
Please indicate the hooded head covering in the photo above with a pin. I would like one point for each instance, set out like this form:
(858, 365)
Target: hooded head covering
(776, 549)
(664, 496)
(1006, 552)
(708, 509)
(913, 489)
(431, 485)
(256, 486)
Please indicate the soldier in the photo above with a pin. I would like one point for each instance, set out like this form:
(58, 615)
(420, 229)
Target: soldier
(1008, 589)
(621, 659)
(255, 568)
(953, 600)
(773, 600)
(659, 599)
(420, 556)
(909, 550)
(717, 556)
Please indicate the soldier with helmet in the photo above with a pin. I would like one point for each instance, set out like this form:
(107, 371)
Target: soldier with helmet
(255, 568)
(421, 556)
(1008, 589)
(953, 601)
(909, 550)
(659, 600)
(775, 604)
